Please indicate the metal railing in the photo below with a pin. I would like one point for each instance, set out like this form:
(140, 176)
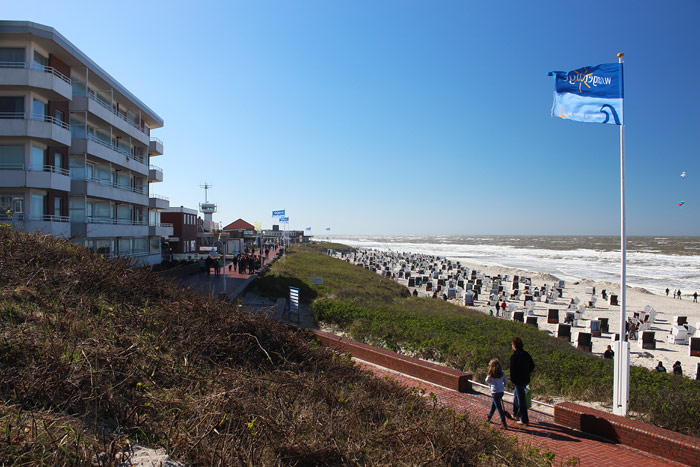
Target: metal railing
(164, 198)
(34, 66)
(156, 168)
(11, 166)
(13, 216)
(161, 224)
(49, 168)
(35, 117)
(111, 221)
(115, 148)
(50, 218)
(117, 113)
(156, 140)
(133, 189)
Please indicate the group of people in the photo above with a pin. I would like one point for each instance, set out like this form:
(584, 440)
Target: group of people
(677, 370)
(677, 294)
(521, 366)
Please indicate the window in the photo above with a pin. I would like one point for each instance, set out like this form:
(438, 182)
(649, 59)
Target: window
(11, 57)
(60, 116)
(12, 156)
(154, 243)
(11, 107)
(58, 161)
(37, 207)
(38, 110)
(57, 205)
(77, 209)
(39, 61)
(38, 158)
(13, 202)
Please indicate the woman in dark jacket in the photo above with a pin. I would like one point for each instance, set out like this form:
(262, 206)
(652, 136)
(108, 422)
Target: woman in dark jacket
(521, 365)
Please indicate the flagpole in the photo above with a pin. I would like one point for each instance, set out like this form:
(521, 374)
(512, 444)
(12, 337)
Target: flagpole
(622, 368)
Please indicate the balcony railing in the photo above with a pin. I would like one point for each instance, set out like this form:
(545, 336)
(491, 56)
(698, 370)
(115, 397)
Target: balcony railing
(155, 167)
(11, 166)
(33, 116)
(34, 66)
(109, 220)
(115, 148)
(157, 140)
(11, 216)
(49, 168)
(79, 89)
(133, 189)
(164, 198)
(160, 224)
(50, 218)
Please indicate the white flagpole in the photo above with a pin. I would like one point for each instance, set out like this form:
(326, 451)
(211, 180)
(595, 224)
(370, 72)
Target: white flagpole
(621, 387)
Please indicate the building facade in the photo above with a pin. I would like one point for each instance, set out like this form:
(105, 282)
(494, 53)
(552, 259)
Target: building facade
(184, 222)
(75, 148)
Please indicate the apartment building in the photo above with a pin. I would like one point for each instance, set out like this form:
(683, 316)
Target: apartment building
(75, 148)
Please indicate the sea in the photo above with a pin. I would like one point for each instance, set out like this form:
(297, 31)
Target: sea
(653, 263)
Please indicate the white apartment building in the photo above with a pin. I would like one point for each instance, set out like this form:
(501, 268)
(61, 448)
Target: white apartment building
(75, 148)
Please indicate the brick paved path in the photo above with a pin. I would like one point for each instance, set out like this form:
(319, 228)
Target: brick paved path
(542, 433)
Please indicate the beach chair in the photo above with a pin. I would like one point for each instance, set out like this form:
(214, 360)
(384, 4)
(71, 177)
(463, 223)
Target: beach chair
(562, 284)
(532, 321)
(529, 307)
(591, 302)
(519, 316)
(552, 316)
(579, 312)
(680, 320)
(694, 347)
(588, 290)
(451, 292)
(469, 298)
(604, 326)
(564, 332)
(613, 300)
(570, 318)
(429, 287)
(584, 342)
(679, 335)
(593, 327)
(647, 340)
(411, 282)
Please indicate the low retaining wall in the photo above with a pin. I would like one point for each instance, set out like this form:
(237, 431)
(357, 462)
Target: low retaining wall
(639, 435)
(447, 377)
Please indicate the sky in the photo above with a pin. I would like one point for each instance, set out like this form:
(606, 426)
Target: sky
(406, 117)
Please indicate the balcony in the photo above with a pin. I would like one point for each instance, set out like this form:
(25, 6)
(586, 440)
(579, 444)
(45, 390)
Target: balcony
(45, 177)
(155, 174)
(158, 202)
(155, 147)
(106, 151)
(58, 226)
(96, 227)
(104, 110)
(107, 189)
(161, 230)
(44, 127)
(20, 75)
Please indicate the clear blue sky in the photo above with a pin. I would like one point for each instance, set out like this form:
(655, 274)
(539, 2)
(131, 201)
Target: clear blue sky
(406, 117)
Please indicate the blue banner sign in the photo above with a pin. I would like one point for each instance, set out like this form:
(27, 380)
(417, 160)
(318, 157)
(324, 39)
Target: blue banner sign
(284, 219)
(278, 213)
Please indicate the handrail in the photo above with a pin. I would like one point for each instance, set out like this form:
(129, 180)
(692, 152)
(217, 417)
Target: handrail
(11, 166)
(35, 117)
(111, 146)
(14, 216)
(49, 168)
(141, 191)
(155, 167)
(34, 66)
(109, 220)
(156, 140)
(164, 198)
(161, 224)
(120, 114)
(50, 218)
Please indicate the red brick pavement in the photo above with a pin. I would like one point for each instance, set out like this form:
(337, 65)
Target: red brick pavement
(542, 433)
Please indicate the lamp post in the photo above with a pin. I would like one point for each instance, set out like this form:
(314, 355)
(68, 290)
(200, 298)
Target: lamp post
(223, 248)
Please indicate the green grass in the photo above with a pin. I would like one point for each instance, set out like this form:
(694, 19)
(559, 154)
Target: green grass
(378, 311)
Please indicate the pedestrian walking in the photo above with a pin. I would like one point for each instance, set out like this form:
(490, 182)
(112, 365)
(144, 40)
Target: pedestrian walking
(667, 291)
(679, 294)
(695, 297)
(521, 366)
(496, 378)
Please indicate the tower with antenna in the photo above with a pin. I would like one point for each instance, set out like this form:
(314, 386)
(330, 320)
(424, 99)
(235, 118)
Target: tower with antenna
(207, 208)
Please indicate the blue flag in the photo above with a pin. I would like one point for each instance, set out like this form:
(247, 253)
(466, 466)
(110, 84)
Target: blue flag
(589, 94)
(308, 228)
(328, 228)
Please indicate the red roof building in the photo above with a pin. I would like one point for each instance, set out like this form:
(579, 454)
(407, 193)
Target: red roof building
(240, 224)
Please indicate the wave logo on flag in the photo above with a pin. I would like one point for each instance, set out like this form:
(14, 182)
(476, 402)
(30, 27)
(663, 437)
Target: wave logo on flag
(309, 229)
(590, 94)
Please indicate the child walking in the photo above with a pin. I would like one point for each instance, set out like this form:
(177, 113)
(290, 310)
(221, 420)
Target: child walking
(496, 378)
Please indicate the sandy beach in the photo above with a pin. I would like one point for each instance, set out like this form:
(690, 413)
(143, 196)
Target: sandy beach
(667, 309)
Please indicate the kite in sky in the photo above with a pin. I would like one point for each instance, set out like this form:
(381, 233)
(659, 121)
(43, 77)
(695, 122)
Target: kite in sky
(681, 203)
(682, 174)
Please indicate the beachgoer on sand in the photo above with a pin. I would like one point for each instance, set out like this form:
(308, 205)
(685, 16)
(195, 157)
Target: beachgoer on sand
(496, 378)
(521, 365)
(667, 291)
(679, 294)
(660, 367)
(695, 297)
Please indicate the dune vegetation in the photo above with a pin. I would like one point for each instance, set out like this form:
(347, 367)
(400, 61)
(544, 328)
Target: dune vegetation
(97, 356)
